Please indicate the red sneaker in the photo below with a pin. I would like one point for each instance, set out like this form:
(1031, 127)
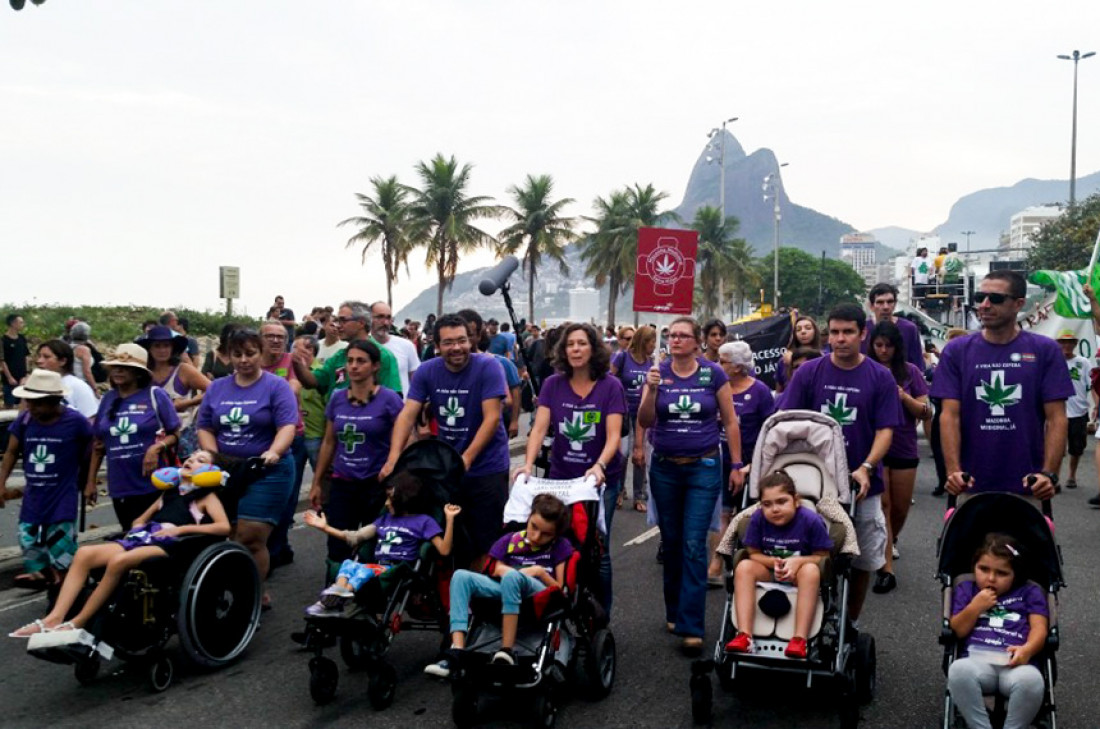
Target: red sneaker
(796, 648)
(741, 643)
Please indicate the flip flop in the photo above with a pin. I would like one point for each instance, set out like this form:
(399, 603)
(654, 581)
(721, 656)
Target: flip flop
(32, 628)
(30, 582)
(641, 506)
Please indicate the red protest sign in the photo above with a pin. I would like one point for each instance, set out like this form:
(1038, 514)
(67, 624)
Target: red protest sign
(665, 281)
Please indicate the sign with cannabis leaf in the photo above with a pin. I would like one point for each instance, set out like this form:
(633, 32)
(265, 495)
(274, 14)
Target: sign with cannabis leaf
(123, 430)
(452, 410)
(684, 407)
(576, 431)
(350, 437)
(665, 270)
(839, 411)
(996, 394)
(40, 458)
(235, 419)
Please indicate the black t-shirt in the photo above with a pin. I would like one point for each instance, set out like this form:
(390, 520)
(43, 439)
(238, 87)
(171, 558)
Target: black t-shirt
(15, 355)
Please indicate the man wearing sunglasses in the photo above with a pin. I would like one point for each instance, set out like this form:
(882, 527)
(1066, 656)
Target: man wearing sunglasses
(353, 320)
(1004, 393)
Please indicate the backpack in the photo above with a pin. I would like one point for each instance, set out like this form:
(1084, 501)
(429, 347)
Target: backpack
(99, 372)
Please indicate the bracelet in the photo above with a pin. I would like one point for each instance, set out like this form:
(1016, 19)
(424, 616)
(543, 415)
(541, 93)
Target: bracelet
(602, 467)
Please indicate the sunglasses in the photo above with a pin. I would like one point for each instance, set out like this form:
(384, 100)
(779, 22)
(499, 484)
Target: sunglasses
(995, 299)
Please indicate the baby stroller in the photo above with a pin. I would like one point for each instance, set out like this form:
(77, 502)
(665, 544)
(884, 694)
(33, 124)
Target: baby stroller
(963, 533)
(563, 634)
(809, 446)
(207, 591)
(405, 598)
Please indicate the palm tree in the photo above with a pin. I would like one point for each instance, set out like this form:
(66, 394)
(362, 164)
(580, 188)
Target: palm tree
(386, 221)
(538, 222)
(714, 259)
(443, 213)
(744, 274)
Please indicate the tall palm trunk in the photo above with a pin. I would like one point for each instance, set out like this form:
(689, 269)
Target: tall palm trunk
(530, 292)
(612, 297)
(442, 282)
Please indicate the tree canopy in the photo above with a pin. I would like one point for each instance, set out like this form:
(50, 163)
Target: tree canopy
(1065, 243)
(802, 277)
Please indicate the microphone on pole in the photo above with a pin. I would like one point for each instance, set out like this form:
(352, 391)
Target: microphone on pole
(497, 276)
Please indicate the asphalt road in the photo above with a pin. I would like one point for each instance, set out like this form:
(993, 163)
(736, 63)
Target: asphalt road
(270, 685)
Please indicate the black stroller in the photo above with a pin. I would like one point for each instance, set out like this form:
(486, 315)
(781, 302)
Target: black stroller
(405, 598)
(963, 533)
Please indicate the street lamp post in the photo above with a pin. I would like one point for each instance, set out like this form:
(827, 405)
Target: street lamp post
(721, 133)
(1077, 56)
(771, 187)
(969, 233)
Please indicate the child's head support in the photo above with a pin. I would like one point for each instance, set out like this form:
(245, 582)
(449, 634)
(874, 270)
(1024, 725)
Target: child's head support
(553, 510)
(1004, 547)
(781, 479)
(204, 476)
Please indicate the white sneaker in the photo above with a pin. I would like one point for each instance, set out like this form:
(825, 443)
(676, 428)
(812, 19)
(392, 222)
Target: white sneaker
(320, 610)
(439, 669)
(896, 553)
(338, 591)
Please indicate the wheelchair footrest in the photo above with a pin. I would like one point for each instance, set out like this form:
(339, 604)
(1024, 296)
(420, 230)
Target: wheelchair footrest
(68, 646)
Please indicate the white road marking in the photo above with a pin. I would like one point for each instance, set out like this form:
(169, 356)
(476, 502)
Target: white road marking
(643, 537)
(18, 603)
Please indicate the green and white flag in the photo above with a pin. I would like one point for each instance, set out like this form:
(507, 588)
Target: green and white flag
(1071, 300)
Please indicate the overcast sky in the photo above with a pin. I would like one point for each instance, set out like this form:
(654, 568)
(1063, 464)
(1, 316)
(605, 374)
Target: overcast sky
(146, 143)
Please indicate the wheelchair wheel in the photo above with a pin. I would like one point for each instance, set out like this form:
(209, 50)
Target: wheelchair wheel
(464, 705)
(86, 670)
(546, 710)
(702, 699)
(323, 678)
(865, 668)
(161, 671)
(597, 665)
(383, 686)
(219, 604)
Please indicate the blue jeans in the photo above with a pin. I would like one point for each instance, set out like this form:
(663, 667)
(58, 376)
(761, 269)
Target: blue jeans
(685, 496)
(610, 495)
(511, 590)
(279, 539)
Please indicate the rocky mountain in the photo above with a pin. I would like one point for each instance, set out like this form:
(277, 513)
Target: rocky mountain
(893, 237)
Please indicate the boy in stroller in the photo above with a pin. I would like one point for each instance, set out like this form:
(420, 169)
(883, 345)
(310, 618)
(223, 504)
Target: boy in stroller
(400, 532)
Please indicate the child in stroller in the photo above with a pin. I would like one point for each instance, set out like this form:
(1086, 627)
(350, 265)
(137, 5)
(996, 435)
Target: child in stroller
(785, 542)
(400, 532)
(521, 564)
(181, 510)
(1003, 620)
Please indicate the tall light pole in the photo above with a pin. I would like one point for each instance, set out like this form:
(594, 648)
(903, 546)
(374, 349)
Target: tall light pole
(1077, 56)
(969, 233)
(771, 187)
(721, 134)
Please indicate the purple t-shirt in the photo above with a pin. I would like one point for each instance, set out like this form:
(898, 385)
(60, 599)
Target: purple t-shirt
(244, 419)
(687, 411)
(363, 432)
(454, 400)
(904, 444)
(803, 535)
(52, 456)
(129, 433)
(579, 425)
(1001, 389)
(910, 337)
(863, 400)
(515, 551)
(400, 537)
(632, 376)
(1006, 623)
(753, 407)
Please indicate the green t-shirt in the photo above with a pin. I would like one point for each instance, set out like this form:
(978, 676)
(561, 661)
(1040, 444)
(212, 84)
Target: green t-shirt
(311, 404)
(333, 375)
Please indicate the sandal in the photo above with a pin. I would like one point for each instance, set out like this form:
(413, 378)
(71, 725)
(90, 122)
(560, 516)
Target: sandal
(619, 501)
(33, 628)
(62, 627)
(691, 646)
(31, 581)
(640, 506)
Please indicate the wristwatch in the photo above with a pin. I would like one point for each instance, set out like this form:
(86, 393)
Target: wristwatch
(868, 465)
(1050, 475)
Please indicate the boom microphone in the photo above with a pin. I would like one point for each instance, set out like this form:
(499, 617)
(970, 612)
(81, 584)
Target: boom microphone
(498, 275)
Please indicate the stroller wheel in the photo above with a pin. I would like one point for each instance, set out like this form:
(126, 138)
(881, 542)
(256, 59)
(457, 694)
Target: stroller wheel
(86, 670)
(848, 700)
(596, 666)
(323, 677)
(383, 686)
(702, 699)
(865, 668)
(161, 671)
(546, 710)
(354, 653)
(464, 706)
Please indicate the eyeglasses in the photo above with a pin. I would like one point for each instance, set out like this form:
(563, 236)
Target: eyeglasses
(381, 316)
(625, 339)
(995, 299)
(681, 335)
(346, 319)
(454, 342)
(275, 337)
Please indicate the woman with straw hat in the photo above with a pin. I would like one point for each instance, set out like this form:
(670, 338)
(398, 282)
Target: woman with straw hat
(54, 440)
(182, 381)
(135, 425)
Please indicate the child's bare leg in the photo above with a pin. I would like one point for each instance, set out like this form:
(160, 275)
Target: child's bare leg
(118, 565)
(458, 639)
(808, 581)
(86, 559)
(509, 626)
(745, 576)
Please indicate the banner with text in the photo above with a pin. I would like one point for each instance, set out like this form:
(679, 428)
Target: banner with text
(768, 338)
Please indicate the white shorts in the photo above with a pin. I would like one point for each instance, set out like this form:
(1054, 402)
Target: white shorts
(870, 524)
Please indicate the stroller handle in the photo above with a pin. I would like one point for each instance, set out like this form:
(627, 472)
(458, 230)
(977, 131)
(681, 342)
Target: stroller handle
(1044, 504)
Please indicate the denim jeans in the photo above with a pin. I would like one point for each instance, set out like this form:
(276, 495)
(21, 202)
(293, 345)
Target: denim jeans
(279, 539)
(610, 494)
(686, 496)
(511, 590)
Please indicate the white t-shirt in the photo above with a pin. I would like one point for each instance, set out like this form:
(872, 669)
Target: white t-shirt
(408, 360)
(1080, 375)
(324, 351)
(81, 397)
(922, 269)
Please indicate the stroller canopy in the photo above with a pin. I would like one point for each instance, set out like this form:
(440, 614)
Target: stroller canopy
(801, 431)
(435, 463)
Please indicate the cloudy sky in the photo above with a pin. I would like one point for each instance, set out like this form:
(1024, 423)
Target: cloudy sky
(146, 143)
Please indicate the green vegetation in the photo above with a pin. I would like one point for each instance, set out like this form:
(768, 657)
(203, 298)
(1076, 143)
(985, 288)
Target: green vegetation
(111, 325)
(386, 221)
(1065, 243)
(802, 277)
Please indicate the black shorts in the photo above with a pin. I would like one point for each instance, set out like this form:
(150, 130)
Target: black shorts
(900, 464)
(482, 499)
(1078, 433)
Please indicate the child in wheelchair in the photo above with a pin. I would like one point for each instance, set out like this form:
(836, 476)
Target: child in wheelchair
(521, 564)
(181, 510)
(400, 532)
(785, 543)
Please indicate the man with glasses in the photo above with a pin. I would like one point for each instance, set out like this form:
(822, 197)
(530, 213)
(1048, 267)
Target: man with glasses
(883, 299)
(352, 322)
(1003, 393)
(403, 350)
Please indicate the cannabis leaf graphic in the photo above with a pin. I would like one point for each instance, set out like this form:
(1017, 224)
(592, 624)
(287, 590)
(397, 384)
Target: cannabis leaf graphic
(576, 431)
(41, 458)
(452, 410)
(235, 419)
(350, 437)
(997, 395)
(123, 430)
(665, 267)
(839, 411)
(684, 407)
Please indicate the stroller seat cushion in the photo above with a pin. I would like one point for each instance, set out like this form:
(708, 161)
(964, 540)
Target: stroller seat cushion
(782, 627)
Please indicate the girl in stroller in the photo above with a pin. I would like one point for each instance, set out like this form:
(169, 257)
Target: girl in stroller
(400, 532)
(785, 542)
(521, 564)
(1003, 620)
(179, 511)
